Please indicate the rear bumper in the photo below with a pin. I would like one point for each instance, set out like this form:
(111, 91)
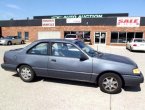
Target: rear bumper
(138, 48)
(8, 67)
(132, 80)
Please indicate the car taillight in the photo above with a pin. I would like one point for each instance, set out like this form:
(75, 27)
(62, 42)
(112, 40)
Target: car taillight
(134, 44)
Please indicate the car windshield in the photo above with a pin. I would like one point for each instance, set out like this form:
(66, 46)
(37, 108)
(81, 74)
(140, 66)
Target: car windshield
(87, 49)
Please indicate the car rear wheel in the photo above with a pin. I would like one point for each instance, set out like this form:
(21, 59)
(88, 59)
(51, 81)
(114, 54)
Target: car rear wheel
(26, 73)
(22, 42)
(110, 83)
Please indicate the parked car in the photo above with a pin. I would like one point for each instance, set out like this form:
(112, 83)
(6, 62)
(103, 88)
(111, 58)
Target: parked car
(9, 40)
(73, 60)
(71, 36)
(74, 37)
(136, 44)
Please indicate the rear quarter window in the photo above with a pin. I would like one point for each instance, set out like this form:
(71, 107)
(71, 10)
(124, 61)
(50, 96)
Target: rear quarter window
(39, 49)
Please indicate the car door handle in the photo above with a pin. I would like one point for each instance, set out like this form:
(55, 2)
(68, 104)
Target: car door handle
(53, 60)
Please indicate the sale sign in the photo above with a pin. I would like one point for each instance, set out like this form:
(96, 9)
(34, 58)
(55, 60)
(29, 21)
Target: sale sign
(128, 21)
(48, 22)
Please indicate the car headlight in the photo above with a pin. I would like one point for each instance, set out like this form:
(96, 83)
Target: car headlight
(136, 71)
(2, 41)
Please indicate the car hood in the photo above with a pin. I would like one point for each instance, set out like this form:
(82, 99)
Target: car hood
(16, 49)
(117, 58)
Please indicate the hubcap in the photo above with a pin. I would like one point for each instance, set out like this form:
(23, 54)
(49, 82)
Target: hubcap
(26, 73)
(110, 84)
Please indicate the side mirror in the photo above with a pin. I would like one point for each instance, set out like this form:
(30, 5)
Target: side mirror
(83, 57)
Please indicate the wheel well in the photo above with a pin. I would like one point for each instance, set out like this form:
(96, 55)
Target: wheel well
(10, 41)
(21, 65)
(123, 82)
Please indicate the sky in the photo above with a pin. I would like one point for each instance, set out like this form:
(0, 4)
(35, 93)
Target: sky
(21, 9)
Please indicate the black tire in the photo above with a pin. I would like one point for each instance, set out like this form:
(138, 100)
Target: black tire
(22, 42)
(9, 43)
(107, 86)
(26, 73)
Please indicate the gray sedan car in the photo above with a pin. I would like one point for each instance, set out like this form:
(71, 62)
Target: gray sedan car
(9, 40)
(73, 60)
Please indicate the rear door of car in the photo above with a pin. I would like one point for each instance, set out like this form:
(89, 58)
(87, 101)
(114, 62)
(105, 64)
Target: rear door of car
(64, 62)
(37, 58)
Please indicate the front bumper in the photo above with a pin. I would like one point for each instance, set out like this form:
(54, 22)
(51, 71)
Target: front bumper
(3, 42)
(9, 67)
(133, 80)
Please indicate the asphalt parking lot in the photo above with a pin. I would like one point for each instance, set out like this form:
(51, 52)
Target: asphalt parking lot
(53, 94)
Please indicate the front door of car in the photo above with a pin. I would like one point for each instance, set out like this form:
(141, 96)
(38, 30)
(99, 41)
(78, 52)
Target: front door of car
(65, 63)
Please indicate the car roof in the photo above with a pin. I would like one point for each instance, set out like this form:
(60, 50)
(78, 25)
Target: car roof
(56, 40)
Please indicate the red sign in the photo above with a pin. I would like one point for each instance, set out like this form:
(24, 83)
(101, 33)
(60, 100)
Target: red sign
(128, 21)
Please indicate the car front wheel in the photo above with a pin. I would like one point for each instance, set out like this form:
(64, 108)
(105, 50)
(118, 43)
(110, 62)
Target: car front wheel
(26, 73)
(110, 83)
(9, 43)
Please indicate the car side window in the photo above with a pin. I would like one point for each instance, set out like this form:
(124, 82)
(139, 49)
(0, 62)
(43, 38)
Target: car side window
(65, 50)
(15, 37)
(40, 49)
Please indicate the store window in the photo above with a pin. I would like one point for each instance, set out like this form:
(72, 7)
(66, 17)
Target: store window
(86, 36)
(139, 35)
(20, 34)
(123, 37)
(26, 35)
(114, 37)
(130, 35)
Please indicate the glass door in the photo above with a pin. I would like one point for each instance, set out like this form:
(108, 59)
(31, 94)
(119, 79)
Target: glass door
(100, 37)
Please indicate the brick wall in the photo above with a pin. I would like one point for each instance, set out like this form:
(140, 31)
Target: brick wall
(33, 31)
(0, 31)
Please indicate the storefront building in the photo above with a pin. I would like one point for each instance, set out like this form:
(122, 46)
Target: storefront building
(106, 29)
